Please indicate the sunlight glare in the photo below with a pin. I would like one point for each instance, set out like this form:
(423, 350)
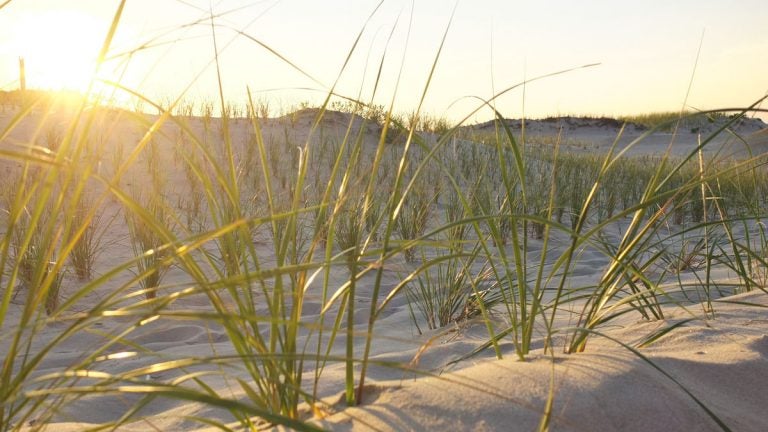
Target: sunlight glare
(60, 49)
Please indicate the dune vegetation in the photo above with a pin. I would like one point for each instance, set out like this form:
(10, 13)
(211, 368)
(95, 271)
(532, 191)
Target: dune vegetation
(290, 238)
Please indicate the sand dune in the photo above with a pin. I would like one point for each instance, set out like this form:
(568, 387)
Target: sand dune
(721, 362)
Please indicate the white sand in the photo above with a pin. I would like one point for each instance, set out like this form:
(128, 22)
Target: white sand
(722, 362)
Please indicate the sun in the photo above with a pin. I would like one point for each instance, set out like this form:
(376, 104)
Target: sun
(59, 49)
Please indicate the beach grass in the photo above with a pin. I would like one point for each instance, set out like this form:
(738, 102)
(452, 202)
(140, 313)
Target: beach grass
(468, 260)
(459, 217)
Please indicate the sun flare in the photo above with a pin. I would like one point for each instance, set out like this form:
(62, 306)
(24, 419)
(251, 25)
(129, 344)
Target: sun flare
(59, 48)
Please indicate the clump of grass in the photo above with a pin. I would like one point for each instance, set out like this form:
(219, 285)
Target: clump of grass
(536, 203)
(349, 228)
(444, 290)
(40, 273)
(49, 282)
(147, 242)
(52, 139)
(154, 161)
(413, 218)
(667, 121)
(32, 238)
(94, 223)
(24, 265)
(455, 213)
(654, 119)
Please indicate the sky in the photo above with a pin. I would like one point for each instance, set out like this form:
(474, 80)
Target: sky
(292, 51)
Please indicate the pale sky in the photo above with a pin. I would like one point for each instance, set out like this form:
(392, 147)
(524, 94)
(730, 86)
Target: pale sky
(646, 50)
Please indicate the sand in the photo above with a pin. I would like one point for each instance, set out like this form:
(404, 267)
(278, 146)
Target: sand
(720, 361)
